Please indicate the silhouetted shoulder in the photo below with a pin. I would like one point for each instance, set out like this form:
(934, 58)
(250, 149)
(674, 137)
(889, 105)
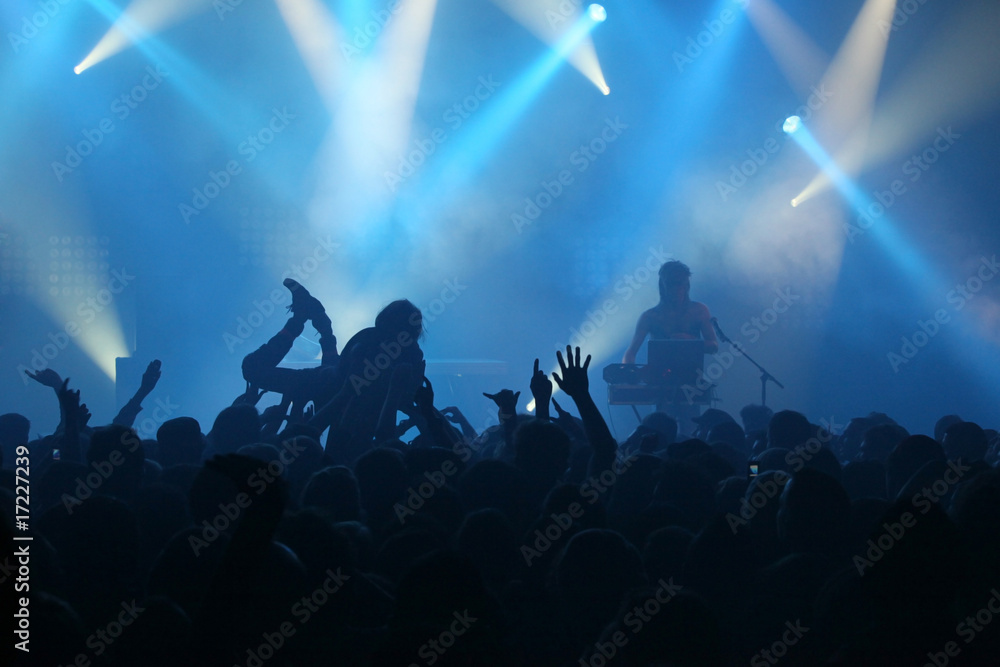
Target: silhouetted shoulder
(699, 310)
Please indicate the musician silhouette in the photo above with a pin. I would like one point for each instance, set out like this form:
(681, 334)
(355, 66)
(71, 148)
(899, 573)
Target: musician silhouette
(676, 316)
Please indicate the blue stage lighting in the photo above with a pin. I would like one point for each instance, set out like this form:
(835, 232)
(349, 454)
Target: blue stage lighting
(792, 124)
(597, 13)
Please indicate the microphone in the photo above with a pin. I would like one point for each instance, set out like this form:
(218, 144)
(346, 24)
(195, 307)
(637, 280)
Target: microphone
(718, 330)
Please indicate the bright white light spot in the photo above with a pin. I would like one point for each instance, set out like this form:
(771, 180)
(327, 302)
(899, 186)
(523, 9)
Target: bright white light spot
(792, 124)
(597, 13)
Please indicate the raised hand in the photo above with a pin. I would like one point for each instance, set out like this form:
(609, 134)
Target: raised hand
(150, 377)
(455, 416)
(541, 386)
(424, 396)
(541, 390)
(83, 415)
(46, 377)
(506, 401)
(573, 379)
(69, 399)
(274, 413)
(563, 414)
(251, 396)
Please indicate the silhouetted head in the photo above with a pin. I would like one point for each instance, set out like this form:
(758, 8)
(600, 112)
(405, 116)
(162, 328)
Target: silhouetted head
(180, 441)
(814, 513)
(755, 417)
(236, 426)
(788, 429)
(942, 425)
(909, 456)
(708, 420)
(398, 317)
(118, 450)
(729, 433)
(880, 440)
(14, 429)
(663, 424)
(335, 491)
(966, 441)
(675, 283)
(382, 479)
(541, 449)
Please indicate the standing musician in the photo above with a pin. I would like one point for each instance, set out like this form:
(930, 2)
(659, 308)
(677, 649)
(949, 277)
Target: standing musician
(676, 316)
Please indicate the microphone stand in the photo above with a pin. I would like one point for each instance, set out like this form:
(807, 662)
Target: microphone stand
(764, 375)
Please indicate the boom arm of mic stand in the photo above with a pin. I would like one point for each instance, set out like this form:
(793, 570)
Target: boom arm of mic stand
(764, 374)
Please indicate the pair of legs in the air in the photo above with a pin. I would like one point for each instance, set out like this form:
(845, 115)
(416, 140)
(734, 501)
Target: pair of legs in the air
(260, 367)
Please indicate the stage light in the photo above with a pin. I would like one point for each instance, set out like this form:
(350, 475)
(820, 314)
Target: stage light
(792, 125)
(550, 20)
(795, 202)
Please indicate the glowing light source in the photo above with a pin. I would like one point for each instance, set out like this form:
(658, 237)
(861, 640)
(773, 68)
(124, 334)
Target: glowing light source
(792, 124)
(597, 13)
(140, 20)
(550, 20)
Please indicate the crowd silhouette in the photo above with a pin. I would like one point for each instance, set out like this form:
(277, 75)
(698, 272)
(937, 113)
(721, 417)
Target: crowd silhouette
(312, 533)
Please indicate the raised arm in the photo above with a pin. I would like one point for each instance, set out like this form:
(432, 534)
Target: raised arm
(541, 390)
(573, 380)
(641, 331)
(506, 402)
(126, 416)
